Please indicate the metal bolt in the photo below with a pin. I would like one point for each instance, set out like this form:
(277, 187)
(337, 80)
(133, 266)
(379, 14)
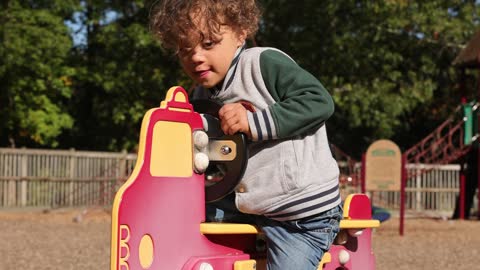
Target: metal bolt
(225, 150)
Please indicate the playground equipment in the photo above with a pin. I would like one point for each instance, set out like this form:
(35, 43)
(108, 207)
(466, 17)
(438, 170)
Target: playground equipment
(158, 214)
(449, 141)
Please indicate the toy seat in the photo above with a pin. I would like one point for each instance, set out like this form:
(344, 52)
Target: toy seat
(158, 214)
(351, 248)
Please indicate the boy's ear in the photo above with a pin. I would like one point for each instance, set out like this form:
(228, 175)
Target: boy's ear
(242, 36)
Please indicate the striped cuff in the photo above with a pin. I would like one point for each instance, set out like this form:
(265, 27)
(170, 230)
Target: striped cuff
(261, 125)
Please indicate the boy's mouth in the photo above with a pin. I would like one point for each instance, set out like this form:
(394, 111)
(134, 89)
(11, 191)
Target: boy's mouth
(202, 73)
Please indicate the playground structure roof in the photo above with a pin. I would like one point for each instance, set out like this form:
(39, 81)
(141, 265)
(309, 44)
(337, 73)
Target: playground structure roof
(469, 57)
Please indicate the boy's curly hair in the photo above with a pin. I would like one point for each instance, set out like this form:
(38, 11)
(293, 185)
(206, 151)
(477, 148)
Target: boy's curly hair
(173, 21)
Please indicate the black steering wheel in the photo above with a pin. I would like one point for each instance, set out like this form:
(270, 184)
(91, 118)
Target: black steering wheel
(228, 154)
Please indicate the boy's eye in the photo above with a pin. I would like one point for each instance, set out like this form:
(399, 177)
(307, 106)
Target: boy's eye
(208, 44)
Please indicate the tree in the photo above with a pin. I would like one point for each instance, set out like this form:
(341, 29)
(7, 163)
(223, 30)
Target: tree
(386, 63)
(121, 72)
(34, 75)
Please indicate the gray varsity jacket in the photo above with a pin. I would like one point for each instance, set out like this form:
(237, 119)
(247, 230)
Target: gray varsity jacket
(291, 173)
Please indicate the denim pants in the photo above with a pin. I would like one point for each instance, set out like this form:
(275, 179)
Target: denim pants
(291, 245)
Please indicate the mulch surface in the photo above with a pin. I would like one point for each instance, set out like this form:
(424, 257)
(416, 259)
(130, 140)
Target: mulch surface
(80, 239)
(53, 240)
(428, 244)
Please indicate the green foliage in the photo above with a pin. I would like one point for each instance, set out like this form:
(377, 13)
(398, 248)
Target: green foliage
(34, 77)
(386, 63)
(383, 61)
(121, 73)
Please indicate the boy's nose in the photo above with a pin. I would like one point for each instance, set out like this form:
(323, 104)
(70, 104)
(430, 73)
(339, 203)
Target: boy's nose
(198, 54)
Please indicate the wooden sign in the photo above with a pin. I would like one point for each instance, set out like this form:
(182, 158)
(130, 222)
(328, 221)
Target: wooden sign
(383, 169)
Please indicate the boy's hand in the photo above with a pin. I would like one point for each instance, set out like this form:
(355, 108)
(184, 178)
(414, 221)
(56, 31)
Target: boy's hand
(233, 119)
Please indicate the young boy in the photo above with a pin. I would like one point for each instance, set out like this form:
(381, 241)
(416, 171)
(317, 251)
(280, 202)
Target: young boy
(290, 187)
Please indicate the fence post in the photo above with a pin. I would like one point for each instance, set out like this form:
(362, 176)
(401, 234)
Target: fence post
(24, 174)
(123, 174)
(404, 179)
(461, 198)
(72, 176)
(12, 185)
(418, 179)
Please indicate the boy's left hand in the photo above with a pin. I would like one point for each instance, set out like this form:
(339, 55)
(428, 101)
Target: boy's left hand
(233, 119)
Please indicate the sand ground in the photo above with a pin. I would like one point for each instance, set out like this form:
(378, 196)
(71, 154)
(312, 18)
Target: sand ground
(59, 240)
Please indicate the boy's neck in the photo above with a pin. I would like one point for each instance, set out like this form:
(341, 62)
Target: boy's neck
(225, 83)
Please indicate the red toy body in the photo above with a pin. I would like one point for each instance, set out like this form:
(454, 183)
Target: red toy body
(158, 214)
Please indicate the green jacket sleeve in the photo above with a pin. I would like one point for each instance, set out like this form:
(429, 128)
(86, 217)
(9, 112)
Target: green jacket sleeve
(302, 103)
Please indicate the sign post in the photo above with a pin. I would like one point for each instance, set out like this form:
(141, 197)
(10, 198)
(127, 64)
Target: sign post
(384, 170)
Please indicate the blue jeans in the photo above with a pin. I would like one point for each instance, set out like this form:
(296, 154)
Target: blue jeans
(298, 244)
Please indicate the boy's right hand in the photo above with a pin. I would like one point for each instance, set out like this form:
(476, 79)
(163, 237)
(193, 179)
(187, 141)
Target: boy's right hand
(233, 119)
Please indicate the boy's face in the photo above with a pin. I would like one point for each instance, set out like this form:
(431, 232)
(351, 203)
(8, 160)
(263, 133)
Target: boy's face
(208, 61)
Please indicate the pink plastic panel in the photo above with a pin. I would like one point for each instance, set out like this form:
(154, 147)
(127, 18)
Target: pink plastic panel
(359, 252)
(158, 218)
(360, 207)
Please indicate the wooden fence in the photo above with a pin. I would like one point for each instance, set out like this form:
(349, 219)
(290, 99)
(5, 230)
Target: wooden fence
(433, 191)
(61, 178)
(69, 178)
